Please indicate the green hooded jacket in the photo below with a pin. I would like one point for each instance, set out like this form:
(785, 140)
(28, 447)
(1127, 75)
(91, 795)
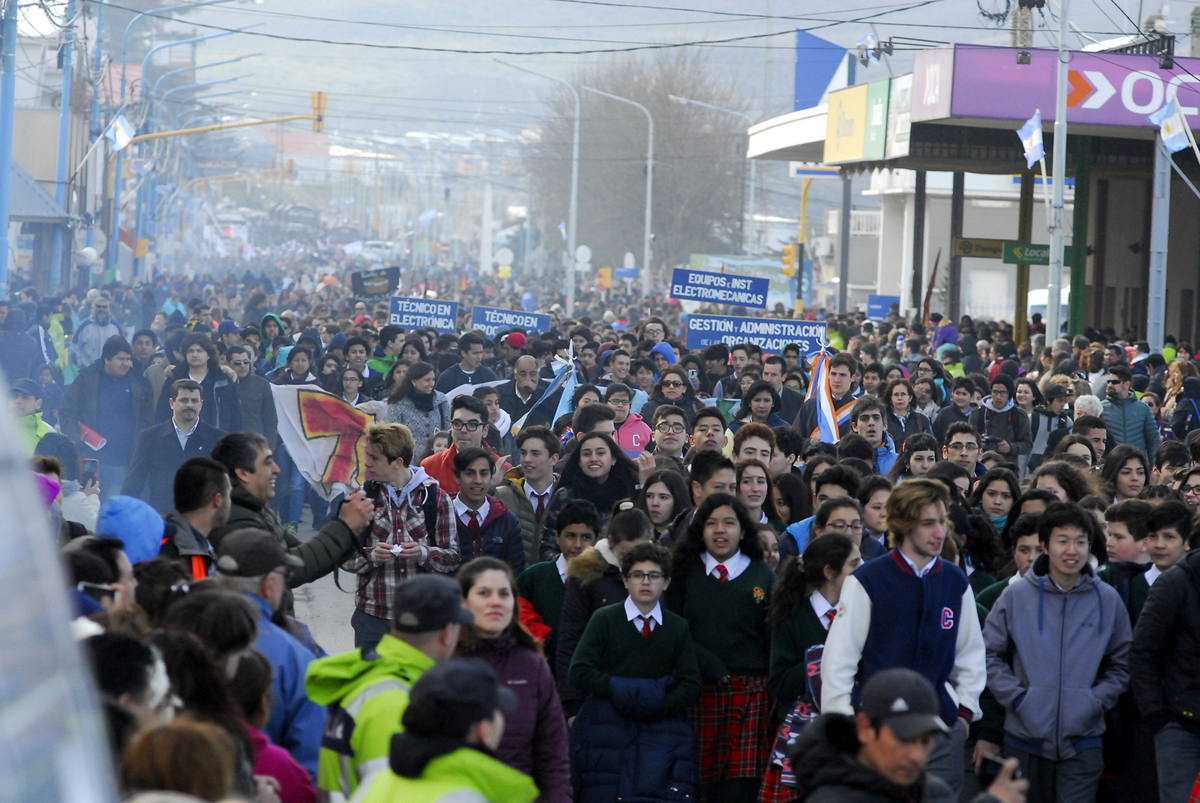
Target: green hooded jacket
(466, 775)
(366, 699)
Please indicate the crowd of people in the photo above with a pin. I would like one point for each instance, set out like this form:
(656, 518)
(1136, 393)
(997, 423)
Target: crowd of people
(676, 590)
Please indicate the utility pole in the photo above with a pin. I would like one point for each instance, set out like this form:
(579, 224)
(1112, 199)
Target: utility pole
(8, 96)
(64, 130)
(1022, 27)
(647, 232)
(1054, 283)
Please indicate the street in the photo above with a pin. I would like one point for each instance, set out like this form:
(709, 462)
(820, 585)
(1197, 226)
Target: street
(324, 608)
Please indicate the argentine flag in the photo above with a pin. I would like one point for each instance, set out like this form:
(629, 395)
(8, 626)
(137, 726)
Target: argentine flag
(1031, 139)
(1172, 125)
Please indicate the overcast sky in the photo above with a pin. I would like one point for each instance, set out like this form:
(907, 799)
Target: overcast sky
(398, 90)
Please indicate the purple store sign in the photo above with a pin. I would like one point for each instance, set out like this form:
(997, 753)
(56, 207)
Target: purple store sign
(1106, 88)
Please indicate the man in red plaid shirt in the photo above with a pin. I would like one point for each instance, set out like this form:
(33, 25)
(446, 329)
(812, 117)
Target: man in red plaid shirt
(412, 532)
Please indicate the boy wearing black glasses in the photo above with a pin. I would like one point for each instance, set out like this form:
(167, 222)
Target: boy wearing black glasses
(636, 662)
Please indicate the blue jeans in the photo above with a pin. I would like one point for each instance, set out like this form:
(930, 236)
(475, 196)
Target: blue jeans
(1178, 754)
(290, 487)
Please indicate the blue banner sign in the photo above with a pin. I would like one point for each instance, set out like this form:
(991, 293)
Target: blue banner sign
(631, 274)
(719, 288)
(878, 307)
(418, 313)
(494, 321)
(770, 334)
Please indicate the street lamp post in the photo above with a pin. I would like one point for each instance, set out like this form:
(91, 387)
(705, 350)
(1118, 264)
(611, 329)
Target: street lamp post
(649, 187)
(114, 246)
(753, 164)
(573, 213)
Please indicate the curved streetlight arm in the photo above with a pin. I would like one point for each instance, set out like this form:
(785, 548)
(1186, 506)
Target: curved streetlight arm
(573, 213)
(155, 12)
(154, 92)
(649, 186)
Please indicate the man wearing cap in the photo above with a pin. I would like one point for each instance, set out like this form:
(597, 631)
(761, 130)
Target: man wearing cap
(163, 448)
(452, 728)
(518, 394)
(911, 609)
(254, 563)
(25, 405)
(367, 689)
(1058, 659)
(230, 333)
(882, 752)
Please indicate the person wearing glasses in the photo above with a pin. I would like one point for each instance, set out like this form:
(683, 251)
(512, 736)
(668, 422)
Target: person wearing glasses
(254, 393)
(631, 432)
(670, 426)
(925, 620)
(1128, 418)
(623, 657)
(89, 339)
(963, 445)
(1003, 425)
(841, 515)
(468, 427)
(674, 388)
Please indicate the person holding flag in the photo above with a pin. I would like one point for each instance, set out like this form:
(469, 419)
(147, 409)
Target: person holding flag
(825, 414)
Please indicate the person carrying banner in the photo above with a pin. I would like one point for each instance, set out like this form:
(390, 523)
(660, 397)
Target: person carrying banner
(412, 530)
(841, 379)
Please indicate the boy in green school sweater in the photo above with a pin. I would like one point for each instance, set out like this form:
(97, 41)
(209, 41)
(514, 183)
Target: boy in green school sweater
(543, 586)
(637, 664)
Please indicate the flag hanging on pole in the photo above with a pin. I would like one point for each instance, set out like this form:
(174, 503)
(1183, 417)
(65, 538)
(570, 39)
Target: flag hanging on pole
(119, 132)
(818, 388)
(1172, 125)
(1031, 139)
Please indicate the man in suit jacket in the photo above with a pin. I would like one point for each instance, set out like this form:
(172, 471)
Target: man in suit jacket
(163, 448)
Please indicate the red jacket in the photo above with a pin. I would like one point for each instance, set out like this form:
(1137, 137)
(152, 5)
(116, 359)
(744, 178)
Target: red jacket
(441, 467)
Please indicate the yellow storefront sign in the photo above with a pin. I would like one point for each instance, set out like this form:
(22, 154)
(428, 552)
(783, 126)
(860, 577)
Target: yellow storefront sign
(846, 125)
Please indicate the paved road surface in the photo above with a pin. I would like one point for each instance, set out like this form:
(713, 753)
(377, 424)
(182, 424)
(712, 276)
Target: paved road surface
(324, 608)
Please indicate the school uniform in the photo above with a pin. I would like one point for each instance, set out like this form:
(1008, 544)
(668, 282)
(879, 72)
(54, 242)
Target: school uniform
(726, 604)
(631, 739)
(542, 588)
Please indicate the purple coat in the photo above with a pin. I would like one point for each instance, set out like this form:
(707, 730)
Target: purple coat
(535, 735)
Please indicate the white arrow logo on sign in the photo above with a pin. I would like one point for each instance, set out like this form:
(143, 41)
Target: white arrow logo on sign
(1104, 90)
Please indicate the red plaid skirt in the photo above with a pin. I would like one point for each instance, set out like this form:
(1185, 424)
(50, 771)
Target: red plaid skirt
(773, 790)
(732, 729)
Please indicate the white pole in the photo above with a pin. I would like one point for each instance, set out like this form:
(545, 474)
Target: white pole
(649, 189)
(485, 235)
(573, 213)
(1054, 283)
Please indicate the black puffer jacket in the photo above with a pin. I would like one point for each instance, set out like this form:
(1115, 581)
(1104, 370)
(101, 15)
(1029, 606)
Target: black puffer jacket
(1187, 409)
(593, 581)
(1166, 647)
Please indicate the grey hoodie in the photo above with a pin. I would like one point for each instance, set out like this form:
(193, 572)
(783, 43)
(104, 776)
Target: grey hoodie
(1057, 661)
(1006, 423)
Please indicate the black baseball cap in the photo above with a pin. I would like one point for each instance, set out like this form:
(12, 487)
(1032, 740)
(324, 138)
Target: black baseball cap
(26, 387)
(1054, 391)
(429, 602)
(905, 701)
(250, 552)
(453, 695)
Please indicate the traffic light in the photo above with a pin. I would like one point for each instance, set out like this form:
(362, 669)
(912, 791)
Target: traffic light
(318, 107)
(790, 254)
